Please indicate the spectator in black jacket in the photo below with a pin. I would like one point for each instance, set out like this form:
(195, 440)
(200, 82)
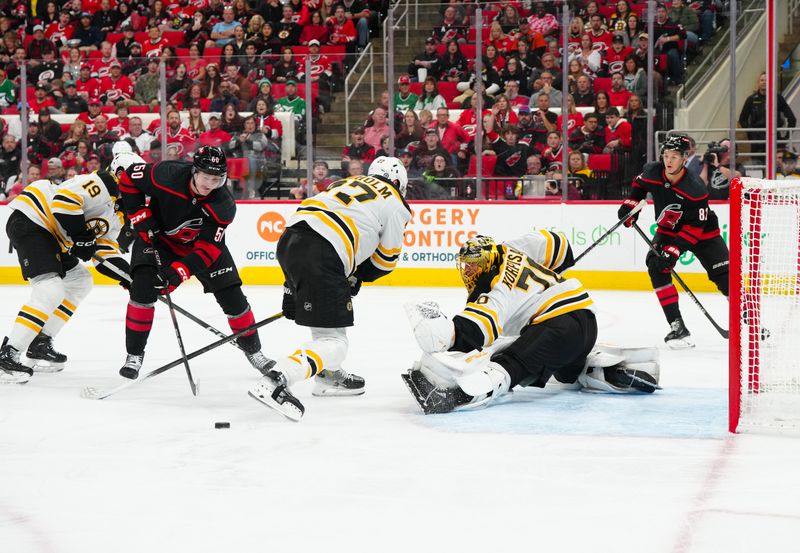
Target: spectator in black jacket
(588, 138)
(427, 59)
(89, 35)
(71, 101)
(754, 115)
(9, 159)
(667, 36)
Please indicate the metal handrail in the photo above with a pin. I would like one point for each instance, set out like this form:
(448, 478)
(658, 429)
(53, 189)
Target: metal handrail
(711, 61)
(367, 54)
(401, 15)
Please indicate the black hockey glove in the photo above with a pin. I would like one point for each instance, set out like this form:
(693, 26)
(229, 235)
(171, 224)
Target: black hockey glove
(627, 206)
(355, 285)
(84, 245)
(666, 261)
(144, 224)
(170, 278)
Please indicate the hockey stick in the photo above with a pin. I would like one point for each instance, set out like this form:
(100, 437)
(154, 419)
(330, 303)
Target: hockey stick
(192, 383)
(634, 211)
(94, 393)
(116, 270)
(722, 331)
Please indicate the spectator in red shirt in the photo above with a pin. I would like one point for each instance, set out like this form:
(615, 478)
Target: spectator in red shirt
(61, 31)
(121, 123)
(41, 98)
(618, 132)
(101, 65)
(88, 86)
(91, 116)
(214, 136)
(618, 95)
(614, 57)
(451, 136)
(597, 33)
(155, 42)
(315, 30)
(176, 133)
(116, 86)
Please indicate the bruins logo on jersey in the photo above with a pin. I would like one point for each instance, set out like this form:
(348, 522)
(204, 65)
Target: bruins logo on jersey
(98, 226)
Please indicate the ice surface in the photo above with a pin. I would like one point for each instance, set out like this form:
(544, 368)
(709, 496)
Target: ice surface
(145, 470)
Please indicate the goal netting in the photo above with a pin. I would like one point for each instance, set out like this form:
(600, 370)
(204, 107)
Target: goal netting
(765, 305)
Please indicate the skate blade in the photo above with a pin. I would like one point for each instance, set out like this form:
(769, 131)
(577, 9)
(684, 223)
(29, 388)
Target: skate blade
(336, 391)
(14, 378)
(287, 409)
(681, 343)
(45, 367)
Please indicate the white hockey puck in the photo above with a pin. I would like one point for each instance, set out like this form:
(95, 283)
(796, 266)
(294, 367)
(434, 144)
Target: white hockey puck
(222, 425)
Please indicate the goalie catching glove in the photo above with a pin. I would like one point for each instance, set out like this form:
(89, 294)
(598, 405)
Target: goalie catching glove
(432, 329)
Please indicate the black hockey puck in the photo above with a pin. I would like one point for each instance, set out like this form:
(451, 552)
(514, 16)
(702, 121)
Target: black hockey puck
(222, 425)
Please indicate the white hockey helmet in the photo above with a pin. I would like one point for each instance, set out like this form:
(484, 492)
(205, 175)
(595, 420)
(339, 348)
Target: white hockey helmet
(391, 169)
(123, 160)
(120, 147)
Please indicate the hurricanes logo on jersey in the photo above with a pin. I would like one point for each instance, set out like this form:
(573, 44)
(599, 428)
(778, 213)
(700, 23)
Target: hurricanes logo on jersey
(669, 216)
(187, 232)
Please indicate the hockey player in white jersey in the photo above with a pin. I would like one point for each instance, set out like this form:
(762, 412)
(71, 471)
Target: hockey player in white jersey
(522, 324)
(54, 227)
(349, 234)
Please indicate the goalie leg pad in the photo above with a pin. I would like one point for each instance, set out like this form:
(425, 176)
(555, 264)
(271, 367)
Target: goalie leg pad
(432, 329)
(621, 378)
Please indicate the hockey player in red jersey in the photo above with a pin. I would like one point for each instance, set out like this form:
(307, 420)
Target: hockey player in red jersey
(185, 220)
(684, 222)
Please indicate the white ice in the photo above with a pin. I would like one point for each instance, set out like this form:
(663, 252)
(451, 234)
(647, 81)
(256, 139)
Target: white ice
(145, 470)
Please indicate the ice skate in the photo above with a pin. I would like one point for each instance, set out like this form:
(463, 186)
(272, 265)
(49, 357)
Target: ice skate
(260, 362)
(133, 363)
(11, 370)
(679, 336)
(273, 391)
(337, 383)
(433, 400)
(42, 357)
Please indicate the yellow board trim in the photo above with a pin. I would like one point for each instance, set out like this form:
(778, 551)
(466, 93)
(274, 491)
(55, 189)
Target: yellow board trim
(444, 277)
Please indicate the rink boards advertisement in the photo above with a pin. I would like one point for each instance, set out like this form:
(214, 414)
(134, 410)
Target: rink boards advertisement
(433, 237)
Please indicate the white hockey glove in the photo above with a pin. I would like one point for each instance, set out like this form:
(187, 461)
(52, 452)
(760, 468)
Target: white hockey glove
(432, 329)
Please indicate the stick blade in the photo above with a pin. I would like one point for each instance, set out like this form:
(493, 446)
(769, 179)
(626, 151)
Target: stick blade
(90, 392)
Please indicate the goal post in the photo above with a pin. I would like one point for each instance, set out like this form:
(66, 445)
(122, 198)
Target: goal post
(764, 360)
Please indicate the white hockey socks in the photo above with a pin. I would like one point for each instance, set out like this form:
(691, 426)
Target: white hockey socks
(77, 285)
(47, 291)
(326, 350)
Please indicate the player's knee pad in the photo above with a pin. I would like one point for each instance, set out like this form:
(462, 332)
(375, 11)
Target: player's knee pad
(142, 290)
(232, 300)
(77, 283)
(47, 291)
(658, 278)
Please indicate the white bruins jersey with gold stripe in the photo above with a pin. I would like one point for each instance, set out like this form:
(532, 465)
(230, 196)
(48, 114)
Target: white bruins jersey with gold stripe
(81, 195)
(527, 289)
(363, 218)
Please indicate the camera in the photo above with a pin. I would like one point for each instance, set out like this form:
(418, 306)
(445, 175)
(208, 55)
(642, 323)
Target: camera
(713, 151)
(551, 186)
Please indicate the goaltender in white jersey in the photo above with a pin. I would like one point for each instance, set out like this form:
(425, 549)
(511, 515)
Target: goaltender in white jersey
(349, 234)
(53, 227)
(523, 324)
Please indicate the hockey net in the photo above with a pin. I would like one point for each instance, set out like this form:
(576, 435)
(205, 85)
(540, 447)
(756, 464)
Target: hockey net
(765, 306)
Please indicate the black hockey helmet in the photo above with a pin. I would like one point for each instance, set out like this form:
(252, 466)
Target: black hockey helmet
(677, 142)
(211, 160)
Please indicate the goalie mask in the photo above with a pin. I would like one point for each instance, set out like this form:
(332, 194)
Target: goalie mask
(478, 256)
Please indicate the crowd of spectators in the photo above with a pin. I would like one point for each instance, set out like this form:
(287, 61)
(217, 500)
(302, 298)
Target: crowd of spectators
(101, 61)
(522, 82)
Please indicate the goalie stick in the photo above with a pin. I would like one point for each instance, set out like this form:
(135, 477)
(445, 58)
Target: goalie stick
(722, 331)
(634, 211)
(93, 393)
(116, 270)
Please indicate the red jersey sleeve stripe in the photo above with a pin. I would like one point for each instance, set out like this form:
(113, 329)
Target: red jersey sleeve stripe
(215, 216)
